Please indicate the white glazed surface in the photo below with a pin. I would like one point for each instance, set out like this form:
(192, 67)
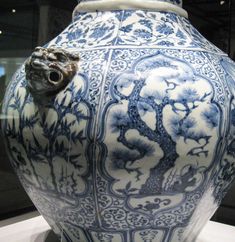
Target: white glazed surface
(140, 145)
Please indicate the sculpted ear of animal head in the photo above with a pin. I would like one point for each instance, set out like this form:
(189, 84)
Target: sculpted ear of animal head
(49, 70)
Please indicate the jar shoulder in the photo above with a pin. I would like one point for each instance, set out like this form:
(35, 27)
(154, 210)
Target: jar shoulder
(136, 28)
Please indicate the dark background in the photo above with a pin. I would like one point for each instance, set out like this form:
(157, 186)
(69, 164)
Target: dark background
(25, 24)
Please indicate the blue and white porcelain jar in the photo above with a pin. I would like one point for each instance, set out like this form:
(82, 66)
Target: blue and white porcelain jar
(123, 128)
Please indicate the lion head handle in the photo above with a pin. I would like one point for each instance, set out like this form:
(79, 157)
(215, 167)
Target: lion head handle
(49, 70)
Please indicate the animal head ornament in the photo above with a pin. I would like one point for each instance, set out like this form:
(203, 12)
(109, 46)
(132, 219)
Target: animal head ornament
(49, 70)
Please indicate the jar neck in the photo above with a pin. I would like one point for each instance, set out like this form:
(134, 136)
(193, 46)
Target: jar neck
(174, 6)
(175, 2)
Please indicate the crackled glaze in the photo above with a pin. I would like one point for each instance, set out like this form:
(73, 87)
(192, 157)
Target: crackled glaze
(139, 146)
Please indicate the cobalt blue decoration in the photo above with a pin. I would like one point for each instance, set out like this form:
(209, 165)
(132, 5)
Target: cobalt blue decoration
(139, 145)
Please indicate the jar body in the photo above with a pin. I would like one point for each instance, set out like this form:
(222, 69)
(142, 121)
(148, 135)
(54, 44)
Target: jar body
(139, 145)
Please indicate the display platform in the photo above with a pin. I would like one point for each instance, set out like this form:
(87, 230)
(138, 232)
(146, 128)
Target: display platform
(33, 228)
